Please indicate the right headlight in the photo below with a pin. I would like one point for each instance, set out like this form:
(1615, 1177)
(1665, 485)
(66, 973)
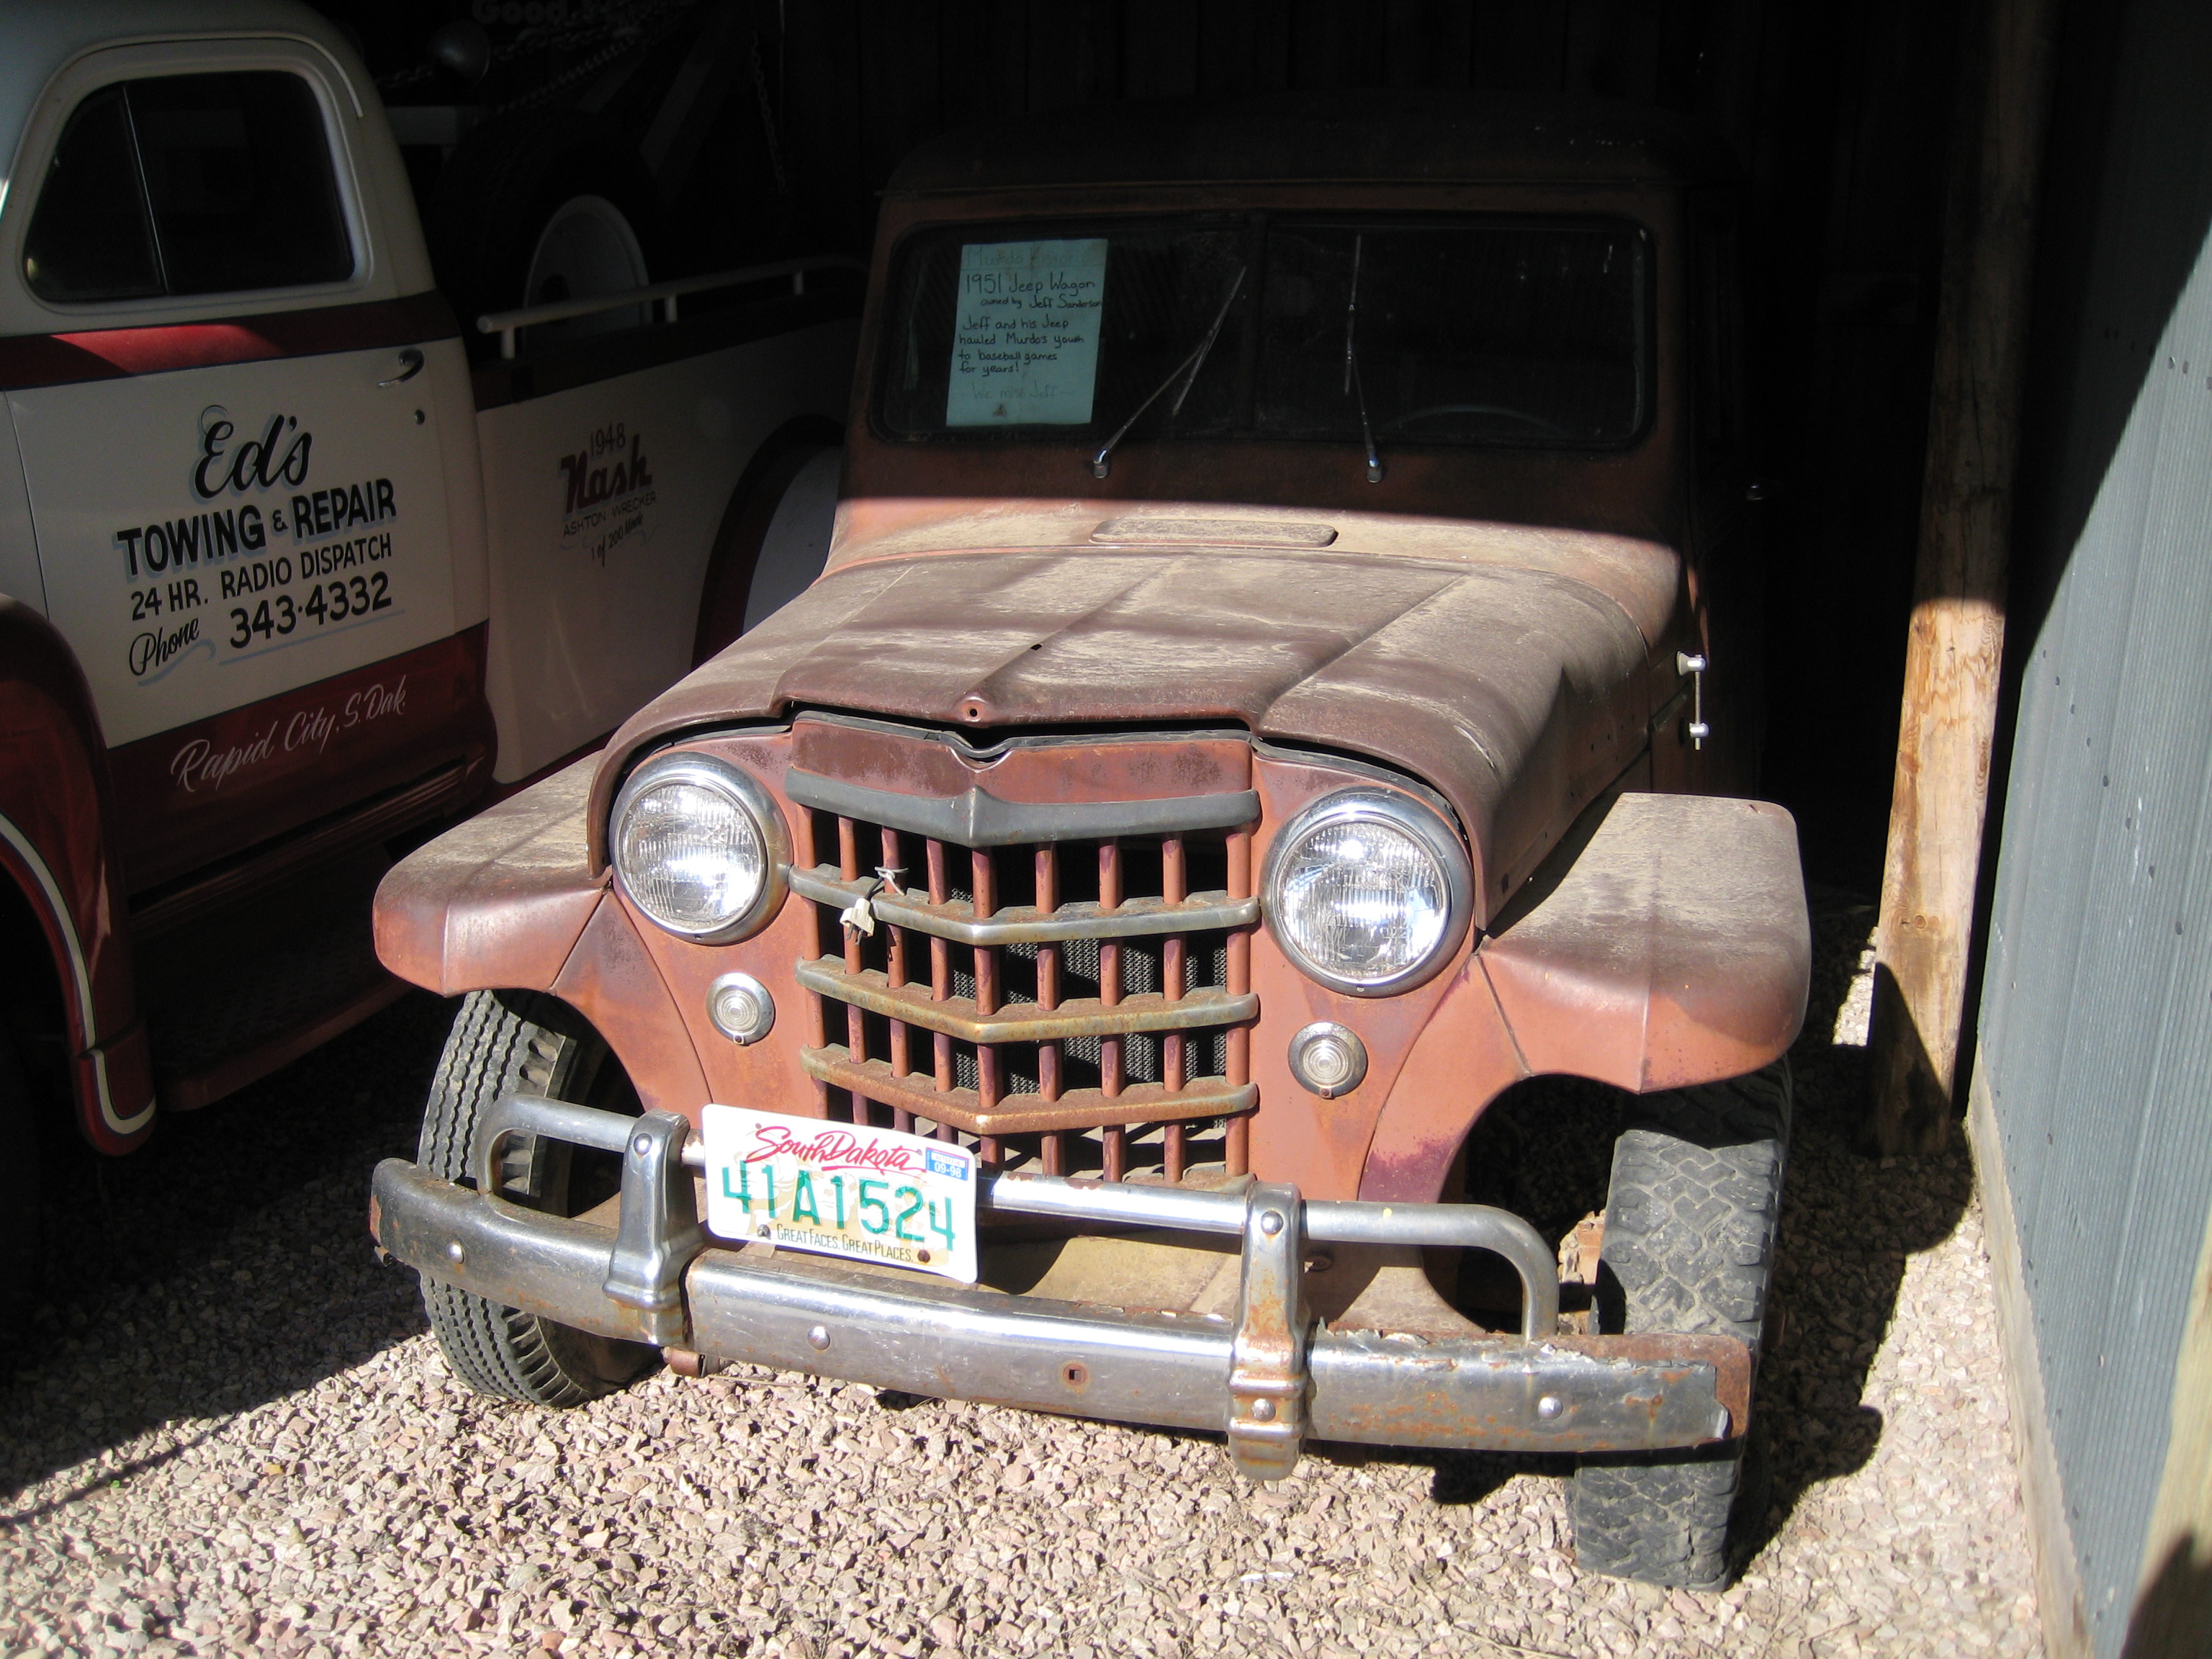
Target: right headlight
(1368, 891)
(699, 847)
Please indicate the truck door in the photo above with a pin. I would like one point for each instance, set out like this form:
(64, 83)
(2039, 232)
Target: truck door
(232, 444)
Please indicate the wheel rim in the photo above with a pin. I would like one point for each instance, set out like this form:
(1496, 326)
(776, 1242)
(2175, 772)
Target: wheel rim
(588, 248)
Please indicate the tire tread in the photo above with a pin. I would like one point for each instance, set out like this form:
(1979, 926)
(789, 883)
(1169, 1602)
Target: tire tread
(497, 1046)
(1690, 1226)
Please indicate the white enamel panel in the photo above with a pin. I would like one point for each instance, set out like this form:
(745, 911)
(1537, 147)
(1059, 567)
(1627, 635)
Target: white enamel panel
(149, 493)
(601, 505)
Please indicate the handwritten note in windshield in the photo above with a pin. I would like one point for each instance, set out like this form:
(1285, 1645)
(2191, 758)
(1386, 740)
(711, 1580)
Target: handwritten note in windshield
(1026, 336)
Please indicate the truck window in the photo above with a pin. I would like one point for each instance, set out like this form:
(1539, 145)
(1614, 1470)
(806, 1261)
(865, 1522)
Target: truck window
(1037, 332)
(1472, 332)
(90, 238)
(187, 185)
(1453, 331)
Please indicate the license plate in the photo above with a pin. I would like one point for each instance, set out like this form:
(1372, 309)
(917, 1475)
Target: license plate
(841, 1189)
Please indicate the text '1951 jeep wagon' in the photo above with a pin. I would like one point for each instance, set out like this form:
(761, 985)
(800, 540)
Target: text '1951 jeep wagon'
(1254, 715)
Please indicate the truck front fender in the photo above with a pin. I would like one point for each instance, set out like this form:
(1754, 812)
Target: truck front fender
(508, 901)
(1675, 950)
(55, 845)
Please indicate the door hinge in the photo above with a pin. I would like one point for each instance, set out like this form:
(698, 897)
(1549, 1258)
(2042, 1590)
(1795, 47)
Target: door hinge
(1693, 667)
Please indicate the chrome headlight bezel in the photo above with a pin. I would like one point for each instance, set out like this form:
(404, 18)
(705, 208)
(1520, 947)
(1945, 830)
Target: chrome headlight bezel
(1368, 804)
(750, 796)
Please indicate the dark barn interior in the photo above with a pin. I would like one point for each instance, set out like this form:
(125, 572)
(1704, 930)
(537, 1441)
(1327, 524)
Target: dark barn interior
(1842, 122)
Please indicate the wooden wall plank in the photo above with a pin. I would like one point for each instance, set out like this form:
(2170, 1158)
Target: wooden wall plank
(1427, 43)
(1075, 52)
(1227, 30)
(1955, 647)
(1333, 45)
(1159, 49)
(901, 100)
(1517, 45)
(984, 60)
(822, 139)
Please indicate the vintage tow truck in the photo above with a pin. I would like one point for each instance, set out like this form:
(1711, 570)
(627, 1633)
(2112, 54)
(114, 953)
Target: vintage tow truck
(1256, 713)
(284, 577)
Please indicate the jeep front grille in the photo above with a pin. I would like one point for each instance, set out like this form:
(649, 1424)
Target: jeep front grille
(1083, 1002)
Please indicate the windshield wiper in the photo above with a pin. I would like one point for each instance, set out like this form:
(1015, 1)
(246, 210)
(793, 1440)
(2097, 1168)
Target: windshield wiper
(1353, 385)
(1186, 371)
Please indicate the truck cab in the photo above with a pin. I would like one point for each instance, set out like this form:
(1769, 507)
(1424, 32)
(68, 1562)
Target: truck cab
(1276, 687)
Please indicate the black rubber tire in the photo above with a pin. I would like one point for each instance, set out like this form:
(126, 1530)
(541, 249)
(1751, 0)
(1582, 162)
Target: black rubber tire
(21, 1220)
(502, 184)
(1690, 1222)
(502, 1042)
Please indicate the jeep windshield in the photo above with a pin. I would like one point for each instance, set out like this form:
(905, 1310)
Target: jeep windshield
(1449, 331)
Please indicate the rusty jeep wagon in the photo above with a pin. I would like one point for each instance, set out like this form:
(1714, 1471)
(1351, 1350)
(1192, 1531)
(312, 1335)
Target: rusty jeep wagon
(1255, 712)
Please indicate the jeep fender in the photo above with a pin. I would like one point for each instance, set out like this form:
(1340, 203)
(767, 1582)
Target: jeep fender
(508, 901)
(1675, 950)
(55, 810)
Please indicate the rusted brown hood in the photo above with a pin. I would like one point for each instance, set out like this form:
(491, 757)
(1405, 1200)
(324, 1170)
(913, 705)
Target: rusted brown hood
(1511, 691)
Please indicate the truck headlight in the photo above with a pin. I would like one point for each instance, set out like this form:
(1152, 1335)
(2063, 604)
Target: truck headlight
(699, 847)
(1368, 891)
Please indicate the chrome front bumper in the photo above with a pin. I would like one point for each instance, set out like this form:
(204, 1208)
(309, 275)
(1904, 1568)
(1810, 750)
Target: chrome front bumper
(1266, 1377)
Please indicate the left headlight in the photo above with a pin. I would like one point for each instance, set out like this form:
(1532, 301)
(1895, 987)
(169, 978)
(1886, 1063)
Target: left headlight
(1368, 891)
(699, 847)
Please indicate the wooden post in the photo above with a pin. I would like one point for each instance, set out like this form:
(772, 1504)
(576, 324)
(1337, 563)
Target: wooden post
(1956, 646)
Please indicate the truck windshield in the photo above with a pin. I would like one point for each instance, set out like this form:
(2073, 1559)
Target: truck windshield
(1449, 331)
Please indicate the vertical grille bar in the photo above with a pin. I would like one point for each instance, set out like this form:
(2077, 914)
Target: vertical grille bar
(940, 969)
(1109, 965)
(1110, 993)
(983, 880)
(1239, 1149)
(1047, 967)
(848, 866)
(895, 971)
(818, 1014)
(1047, 865)
(1175, 888)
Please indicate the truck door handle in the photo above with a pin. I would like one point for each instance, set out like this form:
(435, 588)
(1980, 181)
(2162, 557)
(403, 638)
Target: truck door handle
(410, 365)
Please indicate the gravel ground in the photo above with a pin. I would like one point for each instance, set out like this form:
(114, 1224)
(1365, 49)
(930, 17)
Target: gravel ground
(236, 1438)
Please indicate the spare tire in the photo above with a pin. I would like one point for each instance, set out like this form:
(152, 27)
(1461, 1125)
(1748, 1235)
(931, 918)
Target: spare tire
(774, 534)
(546, 204)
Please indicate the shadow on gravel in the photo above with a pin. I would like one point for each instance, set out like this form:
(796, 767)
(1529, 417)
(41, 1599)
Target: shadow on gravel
(225, 1264)
(1848, 1224)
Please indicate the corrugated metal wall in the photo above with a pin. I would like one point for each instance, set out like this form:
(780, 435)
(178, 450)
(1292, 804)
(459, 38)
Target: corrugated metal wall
(2096, 1027)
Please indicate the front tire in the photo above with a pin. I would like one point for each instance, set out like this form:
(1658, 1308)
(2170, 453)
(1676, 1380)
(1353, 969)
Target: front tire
(1690, 1223)
(774, 537)
(503, 1042)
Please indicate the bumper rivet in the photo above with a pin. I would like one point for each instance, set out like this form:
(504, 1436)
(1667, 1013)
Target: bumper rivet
(1263, 1411)
(1548, 1407)
(819, 1337)
(641, 1145)
(455, 1254)
(1271, 1223)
